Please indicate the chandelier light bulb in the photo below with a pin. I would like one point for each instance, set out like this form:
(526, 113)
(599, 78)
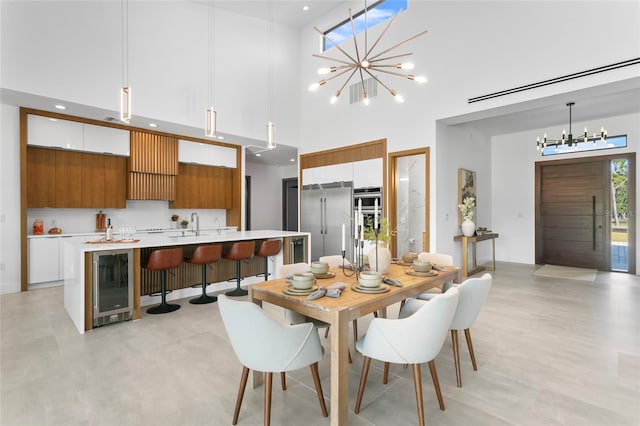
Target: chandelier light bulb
(324, 71)
(333, 99)
(365, 99)
(418, 78)
(405, 66)
(365, 64)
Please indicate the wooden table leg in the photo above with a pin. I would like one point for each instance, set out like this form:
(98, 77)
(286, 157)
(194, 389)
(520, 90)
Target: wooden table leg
(493, 254)
(339, 368)
(465, 257)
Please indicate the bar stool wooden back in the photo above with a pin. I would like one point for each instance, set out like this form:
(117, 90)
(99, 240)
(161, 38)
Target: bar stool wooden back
(268, 248)
(240, 250)
(204, 255)
(163, 260)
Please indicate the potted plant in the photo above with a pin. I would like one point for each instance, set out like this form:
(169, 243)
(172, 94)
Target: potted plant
(466, 208)
(379, 256)
(184, 223)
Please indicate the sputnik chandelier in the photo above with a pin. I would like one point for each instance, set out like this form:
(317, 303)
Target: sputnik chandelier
(366, 61)
(569, 139)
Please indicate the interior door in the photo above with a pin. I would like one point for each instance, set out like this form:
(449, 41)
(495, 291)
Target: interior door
(573, 210)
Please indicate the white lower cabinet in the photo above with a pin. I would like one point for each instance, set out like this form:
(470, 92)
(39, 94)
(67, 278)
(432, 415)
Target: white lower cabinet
(44, 260)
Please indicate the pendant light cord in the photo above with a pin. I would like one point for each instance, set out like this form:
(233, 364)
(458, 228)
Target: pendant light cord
(125, 43)
(269, 58)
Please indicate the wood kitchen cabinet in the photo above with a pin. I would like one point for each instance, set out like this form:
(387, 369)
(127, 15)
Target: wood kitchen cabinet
(71, 179)
(203, 187)
(41, 177)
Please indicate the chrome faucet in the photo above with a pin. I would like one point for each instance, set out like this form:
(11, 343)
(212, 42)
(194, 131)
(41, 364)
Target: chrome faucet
(197, 222)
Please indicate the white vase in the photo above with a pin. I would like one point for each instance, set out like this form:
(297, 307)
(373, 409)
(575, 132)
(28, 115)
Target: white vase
(468, 227)
(380, 258)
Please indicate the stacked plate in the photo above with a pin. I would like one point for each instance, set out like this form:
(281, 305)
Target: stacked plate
(302, 284)
(370, 282)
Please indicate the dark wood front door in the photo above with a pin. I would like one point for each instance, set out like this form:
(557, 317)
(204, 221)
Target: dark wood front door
(573, 205)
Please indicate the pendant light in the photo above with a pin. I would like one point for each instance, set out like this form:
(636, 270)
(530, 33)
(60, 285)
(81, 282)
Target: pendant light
(125, 90)
(211, 114)
(271, 127)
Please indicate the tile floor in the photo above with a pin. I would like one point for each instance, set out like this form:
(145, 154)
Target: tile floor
(550, 352)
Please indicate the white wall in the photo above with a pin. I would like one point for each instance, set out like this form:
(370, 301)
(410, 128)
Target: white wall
(266, 194)
(72, 50)
(9, 200)
(513, 157)
(460, 147)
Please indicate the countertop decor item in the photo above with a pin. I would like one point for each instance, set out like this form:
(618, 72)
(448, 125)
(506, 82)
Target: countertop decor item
(364, 61)
(101, 222)
(466, 208)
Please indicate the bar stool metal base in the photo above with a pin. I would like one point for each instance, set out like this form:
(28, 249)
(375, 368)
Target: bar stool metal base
(203, 299)
(237, 292)
(163, 308)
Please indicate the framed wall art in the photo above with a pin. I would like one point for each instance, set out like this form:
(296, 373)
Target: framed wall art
(467, 188)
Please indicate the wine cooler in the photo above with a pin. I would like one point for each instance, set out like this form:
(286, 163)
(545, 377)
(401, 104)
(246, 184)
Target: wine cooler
(112, 286)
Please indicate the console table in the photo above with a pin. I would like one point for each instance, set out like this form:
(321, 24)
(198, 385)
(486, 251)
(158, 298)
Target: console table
(465, 252)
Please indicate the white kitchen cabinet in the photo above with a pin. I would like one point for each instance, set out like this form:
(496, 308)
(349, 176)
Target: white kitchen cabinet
(206, 154)
(44, 262)
(73, 135)
(367, 173)
(327, 174)
(52, 132)
(106, 140)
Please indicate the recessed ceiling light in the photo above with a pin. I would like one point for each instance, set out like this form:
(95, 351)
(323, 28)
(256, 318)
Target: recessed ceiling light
(258, 155)
(153, 125)
(292, 160)
(305, 8)
(60, 106)
(220, 137)
(53, 119)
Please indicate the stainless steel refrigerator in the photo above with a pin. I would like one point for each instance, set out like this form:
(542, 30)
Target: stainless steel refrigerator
(324, 208)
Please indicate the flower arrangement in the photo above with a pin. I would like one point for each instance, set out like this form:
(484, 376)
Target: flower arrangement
(466, 208)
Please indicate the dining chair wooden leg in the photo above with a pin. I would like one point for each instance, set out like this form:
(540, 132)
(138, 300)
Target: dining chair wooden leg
(268, 377)
(316, 381)
(385, 376)
(363, 381)
(467, 335)
(283, 380)
(456, 356)
(417, 381)
(326, 332)
(436, 383)
(349, 353)
(243, 385)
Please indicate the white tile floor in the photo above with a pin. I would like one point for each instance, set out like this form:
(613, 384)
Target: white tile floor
(550, 352)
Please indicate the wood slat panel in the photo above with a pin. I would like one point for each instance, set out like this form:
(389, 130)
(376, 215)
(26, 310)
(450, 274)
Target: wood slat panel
(147, 186)
(188, 275)
(93, 183)
(153, 153)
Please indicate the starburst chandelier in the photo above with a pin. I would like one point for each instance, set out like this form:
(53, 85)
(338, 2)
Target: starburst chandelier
(366, 61)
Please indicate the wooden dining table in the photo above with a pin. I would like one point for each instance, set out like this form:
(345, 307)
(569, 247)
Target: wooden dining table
(339, 312)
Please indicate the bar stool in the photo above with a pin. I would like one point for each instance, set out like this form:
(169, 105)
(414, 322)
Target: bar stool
(162, 260)
(240, 250)
(268, 248)
(204, 255)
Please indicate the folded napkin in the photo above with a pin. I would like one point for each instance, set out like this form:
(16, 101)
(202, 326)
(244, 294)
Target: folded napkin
(438, 268)
(334, 290)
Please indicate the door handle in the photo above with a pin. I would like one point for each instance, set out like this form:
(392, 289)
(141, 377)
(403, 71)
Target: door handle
(593, 220)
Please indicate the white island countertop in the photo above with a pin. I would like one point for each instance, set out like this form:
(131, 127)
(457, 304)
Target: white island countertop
(75, 249)
(176, 239)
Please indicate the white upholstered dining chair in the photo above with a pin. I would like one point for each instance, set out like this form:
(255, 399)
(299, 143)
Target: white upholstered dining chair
(473, 293)
(439, 259)
(414, 339)
(265, 345)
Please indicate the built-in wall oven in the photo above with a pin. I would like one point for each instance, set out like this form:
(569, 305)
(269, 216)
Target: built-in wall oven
(112, 286)
(367, 197)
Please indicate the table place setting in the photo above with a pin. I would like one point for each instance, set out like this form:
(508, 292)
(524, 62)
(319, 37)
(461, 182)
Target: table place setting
(421, 268)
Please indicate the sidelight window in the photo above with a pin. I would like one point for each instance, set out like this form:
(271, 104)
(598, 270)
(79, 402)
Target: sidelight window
(610, 142)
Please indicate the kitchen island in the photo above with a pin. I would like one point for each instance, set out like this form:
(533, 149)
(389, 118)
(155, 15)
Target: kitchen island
(78, 255)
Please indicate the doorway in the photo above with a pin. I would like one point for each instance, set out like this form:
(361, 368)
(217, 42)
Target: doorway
(583, 213)
(290, 204)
